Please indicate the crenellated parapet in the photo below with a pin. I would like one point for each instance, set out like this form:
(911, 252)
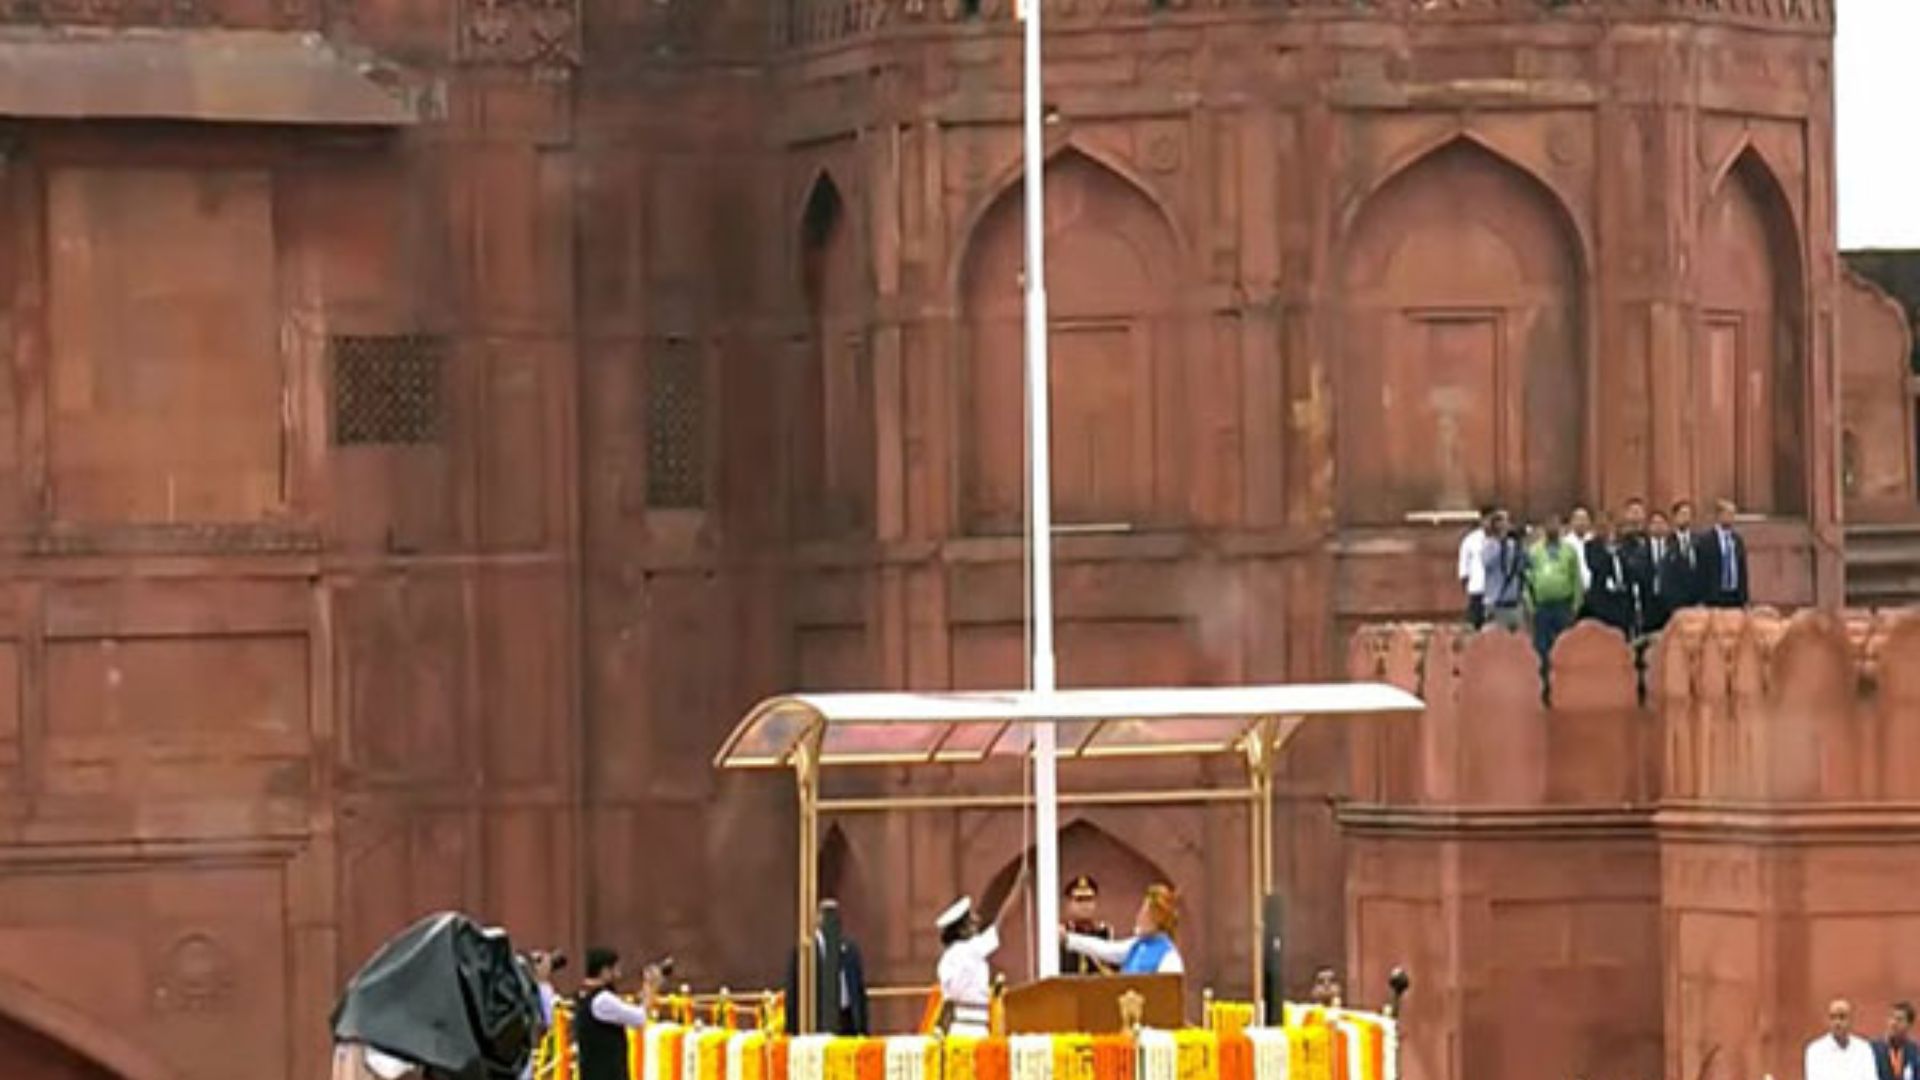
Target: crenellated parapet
(819, 22)
(1503, 843)
(1642, 856)
(1489, 737)
(1736, 707)
(1759, 709)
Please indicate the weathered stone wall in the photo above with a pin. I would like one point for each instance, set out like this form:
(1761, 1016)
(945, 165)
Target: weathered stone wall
(1503, 850)
(1876, 387)
(1674, 887)
(716, 298)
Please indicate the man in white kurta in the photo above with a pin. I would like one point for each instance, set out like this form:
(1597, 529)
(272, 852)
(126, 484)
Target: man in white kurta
(966, 976)
(1473, 570)
(1840, 1054)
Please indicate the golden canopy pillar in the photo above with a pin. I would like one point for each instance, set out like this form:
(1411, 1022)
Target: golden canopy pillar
(813, 733)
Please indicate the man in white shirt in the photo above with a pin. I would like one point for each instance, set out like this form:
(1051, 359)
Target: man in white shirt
(965, 969)
(1580, 531)
(1473, 569)
(601, 1016)
(543, 965)
(1838, 1054)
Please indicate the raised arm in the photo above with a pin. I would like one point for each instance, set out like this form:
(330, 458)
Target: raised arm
(1013, 893)
(1111, 953)
(609, 1009)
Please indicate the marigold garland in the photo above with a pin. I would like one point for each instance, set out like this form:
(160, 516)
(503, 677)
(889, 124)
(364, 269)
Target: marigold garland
(1236, 1056)
(990, 1061)
(1073, 1057)
(1316, 1044)
(1113, 1057)
(910, 1059)
(962, 1053)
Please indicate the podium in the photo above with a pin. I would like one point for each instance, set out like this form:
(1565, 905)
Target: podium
(1091, 1004)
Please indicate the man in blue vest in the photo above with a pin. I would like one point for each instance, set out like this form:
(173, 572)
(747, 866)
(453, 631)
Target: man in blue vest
(1150, 951)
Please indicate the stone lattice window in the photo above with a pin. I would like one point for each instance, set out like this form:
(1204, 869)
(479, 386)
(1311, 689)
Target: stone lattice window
(388, 389)
(676, 403)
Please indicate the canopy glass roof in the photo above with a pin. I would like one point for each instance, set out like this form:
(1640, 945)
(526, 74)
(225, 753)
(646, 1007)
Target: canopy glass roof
(976, 727)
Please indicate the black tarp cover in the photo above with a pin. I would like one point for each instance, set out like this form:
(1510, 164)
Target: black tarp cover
(448, 995)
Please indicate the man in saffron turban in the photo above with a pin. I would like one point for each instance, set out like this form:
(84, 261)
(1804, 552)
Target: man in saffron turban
(1150, 951)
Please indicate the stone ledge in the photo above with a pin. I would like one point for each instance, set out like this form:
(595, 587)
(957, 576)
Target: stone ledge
(1498, 823)
(1789, 824)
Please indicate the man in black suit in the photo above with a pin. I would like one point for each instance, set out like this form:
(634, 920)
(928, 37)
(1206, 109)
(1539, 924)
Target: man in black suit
(1611, 597)
(1723, 560)
(1687, 591)
(1636, 558)
(1894, 1056)
(1666, 573)
(843, 1007)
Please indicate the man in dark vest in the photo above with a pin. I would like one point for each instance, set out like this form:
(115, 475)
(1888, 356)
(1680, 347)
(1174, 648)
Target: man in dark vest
(601, 1017)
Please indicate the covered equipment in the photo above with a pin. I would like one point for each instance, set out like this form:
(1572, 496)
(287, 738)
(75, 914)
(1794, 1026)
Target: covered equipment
(448, 996)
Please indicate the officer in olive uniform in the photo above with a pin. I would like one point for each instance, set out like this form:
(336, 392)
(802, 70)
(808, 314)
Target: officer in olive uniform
(1082, 917)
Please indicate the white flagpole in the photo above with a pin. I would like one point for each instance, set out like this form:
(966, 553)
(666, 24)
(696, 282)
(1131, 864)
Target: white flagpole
(1040, 512)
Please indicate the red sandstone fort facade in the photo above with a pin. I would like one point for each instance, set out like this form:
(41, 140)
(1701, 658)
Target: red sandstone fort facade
(432, 422)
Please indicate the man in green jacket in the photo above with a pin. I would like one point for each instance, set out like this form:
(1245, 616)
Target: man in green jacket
(1553, 586)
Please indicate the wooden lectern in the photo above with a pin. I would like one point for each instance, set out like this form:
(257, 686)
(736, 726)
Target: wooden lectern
(1091, 1004)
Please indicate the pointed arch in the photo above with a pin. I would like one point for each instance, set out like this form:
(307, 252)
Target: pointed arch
(1750, 382)
(1112, 279)
(1462, 377)
(843, 878)
(1747, 154)
(1005, 187)
(823, 211)
(1420, 151)
(98, 1044)
(1122, 871)
(833, 423)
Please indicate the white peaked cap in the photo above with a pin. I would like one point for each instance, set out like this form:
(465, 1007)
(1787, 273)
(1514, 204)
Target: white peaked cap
(960, 909)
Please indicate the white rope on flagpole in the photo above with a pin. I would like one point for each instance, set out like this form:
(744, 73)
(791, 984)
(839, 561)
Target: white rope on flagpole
(1046, 816)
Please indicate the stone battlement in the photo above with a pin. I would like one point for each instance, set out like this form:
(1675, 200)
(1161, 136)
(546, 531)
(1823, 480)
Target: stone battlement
(1738, 707)
(815, 22)
(1668, 865)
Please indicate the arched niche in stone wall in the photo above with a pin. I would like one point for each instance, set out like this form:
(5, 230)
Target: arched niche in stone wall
(843, 880)
(42, 1038)
(1122, 872)
(25, 1054)
(833, 424)
(1459, 376)
(1749, 380)
(1111, 280)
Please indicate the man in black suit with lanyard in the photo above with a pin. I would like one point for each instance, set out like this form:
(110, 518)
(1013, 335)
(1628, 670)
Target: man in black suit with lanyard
(1894, 1057)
